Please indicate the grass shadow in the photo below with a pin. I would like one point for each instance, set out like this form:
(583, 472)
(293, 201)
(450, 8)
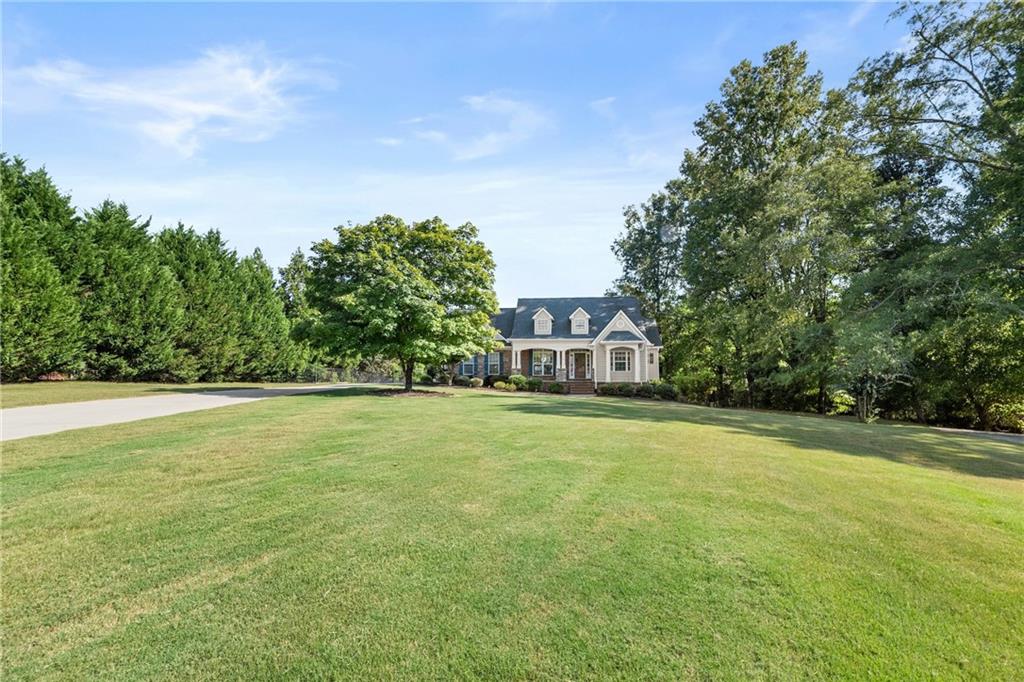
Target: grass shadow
(903, 443)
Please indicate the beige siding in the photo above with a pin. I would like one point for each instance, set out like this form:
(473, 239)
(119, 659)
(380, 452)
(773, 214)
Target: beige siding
(628, 376)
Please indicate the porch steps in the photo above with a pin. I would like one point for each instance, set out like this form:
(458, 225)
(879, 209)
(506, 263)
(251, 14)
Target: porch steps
(580, 385)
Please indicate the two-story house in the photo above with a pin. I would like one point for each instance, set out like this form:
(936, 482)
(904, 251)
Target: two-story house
(581, 342)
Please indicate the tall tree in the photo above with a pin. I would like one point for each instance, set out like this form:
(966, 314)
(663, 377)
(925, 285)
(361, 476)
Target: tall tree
(209, 342)
(39, 311)
(131, 303)
(770, 193)
(418, 293)
(266, 346)
(649, 251)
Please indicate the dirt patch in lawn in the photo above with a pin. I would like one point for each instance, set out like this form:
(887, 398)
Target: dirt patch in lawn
(402, 393)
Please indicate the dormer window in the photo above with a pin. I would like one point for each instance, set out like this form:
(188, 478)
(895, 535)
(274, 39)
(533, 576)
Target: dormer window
(542, 323)
(580, 321)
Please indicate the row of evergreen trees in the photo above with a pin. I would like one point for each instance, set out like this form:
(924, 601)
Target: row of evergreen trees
(858, 249)
(96, 295)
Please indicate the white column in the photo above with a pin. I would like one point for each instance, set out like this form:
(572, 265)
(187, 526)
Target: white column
(636, 365)
(515, 360)
(607, 363)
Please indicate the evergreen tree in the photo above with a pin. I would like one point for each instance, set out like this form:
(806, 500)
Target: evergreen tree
(131, 303)
(40, 312)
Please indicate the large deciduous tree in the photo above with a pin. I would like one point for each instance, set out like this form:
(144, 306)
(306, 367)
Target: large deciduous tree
(775, 198)
(419, 293)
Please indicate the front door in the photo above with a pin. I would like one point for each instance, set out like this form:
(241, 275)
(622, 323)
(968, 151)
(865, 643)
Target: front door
(579, 365)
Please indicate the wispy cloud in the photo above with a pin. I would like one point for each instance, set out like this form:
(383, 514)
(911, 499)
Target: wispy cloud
(829, 31)
(710, 58)
(859, 14)
(521, 122)
(389, 141)
(603, 107)
(432, 136)
(487, 125)
(240, 93)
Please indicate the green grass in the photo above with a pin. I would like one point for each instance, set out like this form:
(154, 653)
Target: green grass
(50, 392)
(509, 536)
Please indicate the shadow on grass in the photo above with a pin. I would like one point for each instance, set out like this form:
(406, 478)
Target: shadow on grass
(334, 390)
(906, 444)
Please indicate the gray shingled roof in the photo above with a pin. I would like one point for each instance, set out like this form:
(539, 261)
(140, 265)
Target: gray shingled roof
(600, 308)
(503, 321)
(621, 336)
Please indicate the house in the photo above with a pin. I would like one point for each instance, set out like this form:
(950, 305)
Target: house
(581, 342)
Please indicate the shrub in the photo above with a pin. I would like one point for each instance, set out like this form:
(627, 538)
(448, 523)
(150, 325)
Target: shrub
(555, 387)
(606, 389)
(517, 380)
(626, 390)
(461, 381)
(666, 391)
(534, 385)
(645, 391)
(500, 385)
(842, 403)
(476, 382)
(511, 388)
(492, 379)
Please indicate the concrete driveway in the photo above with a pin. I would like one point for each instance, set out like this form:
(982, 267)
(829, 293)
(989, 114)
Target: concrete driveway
(39, 420)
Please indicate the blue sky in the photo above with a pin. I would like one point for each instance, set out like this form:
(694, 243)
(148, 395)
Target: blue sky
(274, 123)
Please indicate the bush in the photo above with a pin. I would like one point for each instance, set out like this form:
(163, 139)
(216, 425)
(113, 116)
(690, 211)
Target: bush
(666, 391)
(555, 387)
(500, 385)
(461, 381)
(626, 390)
(606, 389)
(843, 403)
(534, 385)
(476, 382)
(492, 379)
(511, 388)
(645, 391)
(517, 380)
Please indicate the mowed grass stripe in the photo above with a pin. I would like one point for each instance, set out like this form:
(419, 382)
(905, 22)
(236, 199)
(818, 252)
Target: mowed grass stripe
(486, 535)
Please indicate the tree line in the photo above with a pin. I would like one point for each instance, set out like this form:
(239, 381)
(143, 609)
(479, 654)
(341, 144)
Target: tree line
(855, 250)
(95, 295)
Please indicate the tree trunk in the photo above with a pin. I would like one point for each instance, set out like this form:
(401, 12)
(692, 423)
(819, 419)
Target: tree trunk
(984, 417)
(409, 365)
(822, 394)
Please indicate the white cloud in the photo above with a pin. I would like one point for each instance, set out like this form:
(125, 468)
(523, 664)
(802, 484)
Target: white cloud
(603, 107)
(477, 136)
(389, 141)
(236, 93)
(521, 122)
(859, 14)
(432, 136)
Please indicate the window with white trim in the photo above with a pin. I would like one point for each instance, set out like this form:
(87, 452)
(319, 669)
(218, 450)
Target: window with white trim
(542, 325)
(466, 369)
(650, 358)
(543, 363)
(494, 363)
(622, 360)
(579, 325)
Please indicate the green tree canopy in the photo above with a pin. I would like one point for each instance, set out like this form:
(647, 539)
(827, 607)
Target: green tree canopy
(419, 293)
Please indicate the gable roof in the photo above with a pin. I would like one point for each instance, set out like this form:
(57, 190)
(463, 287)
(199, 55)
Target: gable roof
(622, 336)
(503, 321)
(600, 308)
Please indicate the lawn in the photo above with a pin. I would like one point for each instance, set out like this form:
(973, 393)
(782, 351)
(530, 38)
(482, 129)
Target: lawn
(490, 536)
(50, 392)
